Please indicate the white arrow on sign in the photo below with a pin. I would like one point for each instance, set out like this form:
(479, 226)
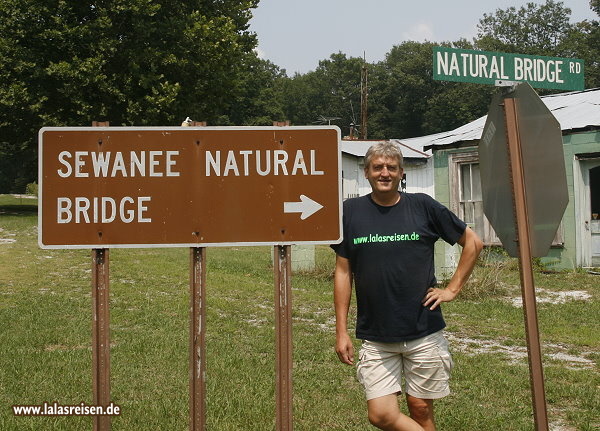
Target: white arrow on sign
(306, 206)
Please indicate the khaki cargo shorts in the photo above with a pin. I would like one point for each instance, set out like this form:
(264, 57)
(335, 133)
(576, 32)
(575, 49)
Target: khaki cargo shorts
(424, 364)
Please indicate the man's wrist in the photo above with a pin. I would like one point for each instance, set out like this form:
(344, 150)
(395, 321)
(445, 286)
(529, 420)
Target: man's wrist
(453, 290)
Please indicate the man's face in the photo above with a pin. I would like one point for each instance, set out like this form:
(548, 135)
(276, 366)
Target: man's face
(384, 174)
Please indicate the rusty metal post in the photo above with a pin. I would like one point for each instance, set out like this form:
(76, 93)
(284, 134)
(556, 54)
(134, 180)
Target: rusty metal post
(282, 271)
(536, 371)
(100, 329)
(283, 328)
(198, 332)
(197, 338)
(100, 336)
(100, 123)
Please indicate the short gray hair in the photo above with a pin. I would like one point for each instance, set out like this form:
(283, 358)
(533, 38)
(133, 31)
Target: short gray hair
(384, 149)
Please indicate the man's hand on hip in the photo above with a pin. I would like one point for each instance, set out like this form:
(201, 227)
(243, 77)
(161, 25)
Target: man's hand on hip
(436, 296)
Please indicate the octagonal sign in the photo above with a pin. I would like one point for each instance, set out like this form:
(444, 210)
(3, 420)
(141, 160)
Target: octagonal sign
(544, 171)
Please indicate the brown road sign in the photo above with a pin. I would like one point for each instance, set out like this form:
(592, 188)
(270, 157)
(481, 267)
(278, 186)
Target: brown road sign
(544, 171)
(188, 187)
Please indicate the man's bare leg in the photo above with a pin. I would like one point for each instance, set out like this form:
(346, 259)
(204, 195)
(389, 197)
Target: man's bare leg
(421, 411)
(385, 414)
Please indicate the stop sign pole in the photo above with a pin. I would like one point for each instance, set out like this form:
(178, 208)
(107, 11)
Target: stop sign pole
(536, 371)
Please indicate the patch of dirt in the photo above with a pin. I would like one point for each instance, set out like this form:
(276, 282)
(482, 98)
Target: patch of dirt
(24, 196)
(6, 240)
(544, 296)
(517, 354)
(479, 346)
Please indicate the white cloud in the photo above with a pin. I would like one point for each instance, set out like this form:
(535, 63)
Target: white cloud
(420, 31)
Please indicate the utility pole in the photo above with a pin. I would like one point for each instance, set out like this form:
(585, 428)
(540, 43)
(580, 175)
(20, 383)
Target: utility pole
(363, 101)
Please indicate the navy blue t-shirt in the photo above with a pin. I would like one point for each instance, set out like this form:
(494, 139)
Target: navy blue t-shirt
(391, 249)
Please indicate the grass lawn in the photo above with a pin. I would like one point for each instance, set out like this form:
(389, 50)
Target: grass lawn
(45, 341)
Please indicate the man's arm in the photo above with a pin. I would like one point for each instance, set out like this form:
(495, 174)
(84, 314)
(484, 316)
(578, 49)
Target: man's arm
(472, 246)
(342, 292)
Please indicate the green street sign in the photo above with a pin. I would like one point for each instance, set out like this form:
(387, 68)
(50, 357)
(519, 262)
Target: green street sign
(483, 67)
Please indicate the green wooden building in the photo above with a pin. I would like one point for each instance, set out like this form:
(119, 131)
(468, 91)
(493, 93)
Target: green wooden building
(457, 182)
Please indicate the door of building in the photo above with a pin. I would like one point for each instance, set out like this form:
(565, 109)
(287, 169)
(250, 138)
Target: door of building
(594, 190)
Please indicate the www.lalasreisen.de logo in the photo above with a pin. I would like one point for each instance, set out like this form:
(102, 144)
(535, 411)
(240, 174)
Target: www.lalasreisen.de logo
(386, 238)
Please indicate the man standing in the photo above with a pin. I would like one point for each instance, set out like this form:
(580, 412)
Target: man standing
(388, 251)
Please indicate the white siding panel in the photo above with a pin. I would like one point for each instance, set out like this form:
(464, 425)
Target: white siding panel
(350, 176)
(419, 178)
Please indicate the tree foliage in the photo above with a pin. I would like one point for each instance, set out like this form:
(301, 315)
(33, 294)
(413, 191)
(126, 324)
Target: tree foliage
(403, 99)
(329, 94)
(544, 29)
(155, 62)
(403, 88)
(532, 29)
(132, 62)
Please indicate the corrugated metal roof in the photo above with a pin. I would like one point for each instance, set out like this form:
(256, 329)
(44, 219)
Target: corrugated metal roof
(359, 148)
(411, 150)
(574, 110)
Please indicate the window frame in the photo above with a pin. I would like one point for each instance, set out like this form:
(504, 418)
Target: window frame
(455, 162)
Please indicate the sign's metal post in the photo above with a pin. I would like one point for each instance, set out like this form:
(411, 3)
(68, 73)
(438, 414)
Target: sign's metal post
(100, 330)
(526, 270)
(197, 338)
(198, 332)
(282, 271)
(100, 335)
(283, 328)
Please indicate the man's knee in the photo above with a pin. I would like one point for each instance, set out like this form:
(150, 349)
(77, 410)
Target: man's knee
(383, 411)
(387, 417)
(381, 418)
(420, 409)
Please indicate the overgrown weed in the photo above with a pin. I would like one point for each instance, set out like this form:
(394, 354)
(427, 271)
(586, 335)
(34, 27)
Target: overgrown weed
(489, 275)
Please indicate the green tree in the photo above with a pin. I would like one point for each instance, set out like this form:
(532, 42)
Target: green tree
(408, 102)
(133, 62)
(544, 30)
(586, 37)
(332, 90)
(456, 104)
(402, 86)
(258, 100)
(532, 29)
(584, 43)
(403, 99)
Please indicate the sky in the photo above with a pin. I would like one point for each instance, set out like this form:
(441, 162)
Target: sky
(296, 34)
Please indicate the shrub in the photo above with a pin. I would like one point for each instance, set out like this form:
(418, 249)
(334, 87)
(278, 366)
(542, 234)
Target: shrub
(32, 189)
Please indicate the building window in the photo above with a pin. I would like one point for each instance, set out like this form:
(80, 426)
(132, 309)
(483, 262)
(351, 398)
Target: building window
(471, 204)
(466, 198)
